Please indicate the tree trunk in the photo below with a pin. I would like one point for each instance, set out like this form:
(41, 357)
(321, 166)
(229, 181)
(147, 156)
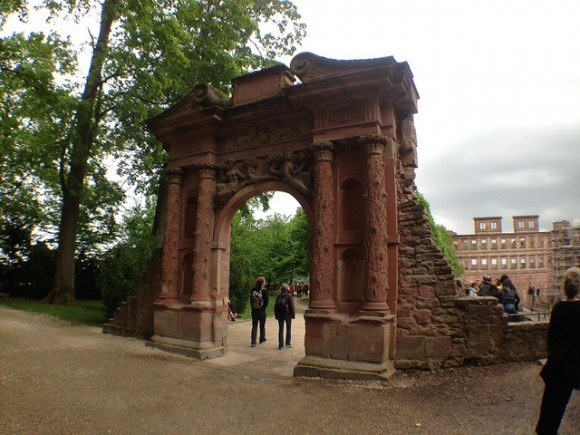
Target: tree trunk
(63, 290)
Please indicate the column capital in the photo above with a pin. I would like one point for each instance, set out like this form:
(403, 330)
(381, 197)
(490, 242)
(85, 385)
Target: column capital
(373, 143)
(174, 175)
(322, 151)
(206, 169)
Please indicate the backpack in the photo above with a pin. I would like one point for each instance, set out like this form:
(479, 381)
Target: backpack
(257, 299)
(281, 304)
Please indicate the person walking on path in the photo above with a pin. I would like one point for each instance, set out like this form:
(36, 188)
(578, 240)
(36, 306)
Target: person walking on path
(284, 312)
(259, 302)
(561, 373)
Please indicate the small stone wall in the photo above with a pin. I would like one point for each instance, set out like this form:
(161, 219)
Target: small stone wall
(490, 338)
(134, 317)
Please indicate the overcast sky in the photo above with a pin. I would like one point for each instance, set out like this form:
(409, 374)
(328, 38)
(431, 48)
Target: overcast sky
(498, 125)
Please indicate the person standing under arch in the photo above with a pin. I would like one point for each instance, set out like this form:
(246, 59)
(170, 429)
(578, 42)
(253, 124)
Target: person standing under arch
(259, 302)
(284, 312)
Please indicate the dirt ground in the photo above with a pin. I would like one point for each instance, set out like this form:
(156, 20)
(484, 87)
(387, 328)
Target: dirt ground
(56, 377)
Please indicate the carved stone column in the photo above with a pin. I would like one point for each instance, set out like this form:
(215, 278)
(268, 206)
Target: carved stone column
(170, 263)
(203, 234)
(376, 238)
(322, 268)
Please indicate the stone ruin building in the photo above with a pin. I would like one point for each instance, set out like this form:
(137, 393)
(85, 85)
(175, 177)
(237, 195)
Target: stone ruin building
(337, 135)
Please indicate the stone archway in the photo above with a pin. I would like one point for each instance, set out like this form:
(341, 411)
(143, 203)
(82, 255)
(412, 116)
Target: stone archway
(338, 141)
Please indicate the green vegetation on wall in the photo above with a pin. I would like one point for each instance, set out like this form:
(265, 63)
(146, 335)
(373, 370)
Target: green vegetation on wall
(442, 238)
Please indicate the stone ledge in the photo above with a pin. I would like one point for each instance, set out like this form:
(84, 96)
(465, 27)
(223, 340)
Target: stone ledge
(311, 366)
(186, 348)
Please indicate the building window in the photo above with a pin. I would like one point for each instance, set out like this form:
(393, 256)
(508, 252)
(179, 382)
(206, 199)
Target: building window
(522, 243)
(514, 263)
(513, 243)
(522, 263)
(493, 225)
(532, 243)
(503, 244)
(532, 262)
(484, 244)
(530, 224)
(504, 263)
(493, 244)
(541, 262)
(473, 264)
(482, 225)
(494, 263)
(484, 263)
(521, 225)
(465, 245)
(474, 245)
(541, 242)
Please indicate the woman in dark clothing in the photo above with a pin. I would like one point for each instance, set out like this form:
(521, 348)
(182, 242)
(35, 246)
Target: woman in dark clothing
(284, 312)
(509, 297)
(561, 373)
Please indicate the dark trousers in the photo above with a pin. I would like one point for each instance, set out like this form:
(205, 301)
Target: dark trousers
(556, 396)
(288, 321)
(258, 316)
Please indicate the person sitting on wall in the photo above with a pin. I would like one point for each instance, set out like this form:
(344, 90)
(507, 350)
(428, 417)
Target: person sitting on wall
(487, 288)
(509, 297)
(232, 313)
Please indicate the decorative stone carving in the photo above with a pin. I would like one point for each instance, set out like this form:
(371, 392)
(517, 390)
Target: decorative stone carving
(376, 239)
(203, 233)
(230, 177)
(254, 174)
(408, 134)
(322, 253)
(258, 135)
(289, 168)
(169, 263)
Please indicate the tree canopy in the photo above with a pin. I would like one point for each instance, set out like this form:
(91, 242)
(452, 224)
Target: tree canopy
(65, 124)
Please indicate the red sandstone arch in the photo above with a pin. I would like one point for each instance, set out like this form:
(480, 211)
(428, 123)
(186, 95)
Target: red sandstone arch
(338, 142)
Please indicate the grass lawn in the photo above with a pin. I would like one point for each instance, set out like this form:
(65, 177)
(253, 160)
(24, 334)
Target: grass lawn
(84, 312)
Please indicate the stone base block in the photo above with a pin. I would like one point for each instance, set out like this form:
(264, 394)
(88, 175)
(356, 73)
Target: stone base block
(200, 351)
(311, 366)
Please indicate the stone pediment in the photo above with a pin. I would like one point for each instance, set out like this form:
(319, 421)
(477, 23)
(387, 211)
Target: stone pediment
(200, 97)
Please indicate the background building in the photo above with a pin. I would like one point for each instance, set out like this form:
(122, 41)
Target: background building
(523, 254)
(564, 252)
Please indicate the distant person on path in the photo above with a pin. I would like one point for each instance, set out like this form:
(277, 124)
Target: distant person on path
(259, 302)
(284, 312)
(509, 297)
(561, 373)
(305, 289)
(488, 288)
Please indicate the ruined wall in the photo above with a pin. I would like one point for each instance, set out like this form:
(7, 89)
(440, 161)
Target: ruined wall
(134, 317)
(437, 327)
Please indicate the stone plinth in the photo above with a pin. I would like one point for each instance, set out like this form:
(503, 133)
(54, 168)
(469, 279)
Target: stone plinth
(195, 331)
(346, 347)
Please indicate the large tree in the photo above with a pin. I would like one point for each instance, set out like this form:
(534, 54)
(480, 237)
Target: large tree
(144, 55)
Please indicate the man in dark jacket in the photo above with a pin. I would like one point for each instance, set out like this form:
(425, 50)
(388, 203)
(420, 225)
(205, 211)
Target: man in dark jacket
(259, 302)
(487, 288)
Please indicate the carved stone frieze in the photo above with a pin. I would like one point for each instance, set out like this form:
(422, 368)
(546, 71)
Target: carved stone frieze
(266, 134)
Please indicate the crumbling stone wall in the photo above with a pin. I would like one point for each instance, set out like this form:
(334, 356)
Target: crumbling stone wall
(134, 317)
(437, 327)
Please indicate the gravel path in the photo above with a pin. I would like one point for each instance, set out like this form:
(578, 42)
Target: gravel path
(58, 378)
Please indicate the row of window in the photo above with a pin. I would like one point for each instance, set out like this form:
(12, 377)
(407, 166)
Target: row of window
(504, 263)
(520, 225)
(493, 244)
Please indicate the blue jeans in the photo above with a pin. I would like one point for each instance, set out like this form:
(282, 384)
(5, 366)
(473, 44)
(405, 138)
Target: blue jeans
(509, 308)
(288, 321)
